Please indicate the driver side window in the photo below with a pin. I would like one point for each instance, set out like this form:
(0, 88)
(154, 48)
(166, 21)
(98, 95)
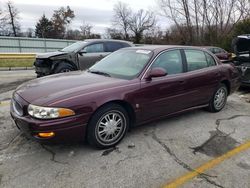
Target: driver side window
(171, 61)
(94, 48)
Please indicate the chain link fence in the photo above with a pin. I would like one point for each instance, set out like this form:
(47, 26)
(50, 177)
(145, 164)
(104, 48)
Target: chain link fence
(31, 45)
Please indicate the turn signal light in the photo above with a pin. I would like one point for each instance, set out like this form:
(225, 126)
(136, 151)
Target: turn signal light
(46, 135)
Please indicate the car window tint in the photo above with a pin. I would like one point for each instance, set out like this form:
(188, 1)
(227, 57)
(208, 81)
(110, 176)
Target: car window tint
(113, 46)
(210, 60)
(94, 48)
(219, 50)
(171, 61)
(125, 45)
(211, 50)
(195, 59)
(124, 64)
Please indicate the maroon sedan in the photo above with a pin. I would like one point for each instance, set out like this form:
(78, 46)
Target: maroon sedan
(222, 54)
(130, 87)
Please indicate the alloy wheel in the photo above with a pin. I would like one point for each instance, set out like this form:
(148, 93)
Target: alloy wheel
(220, 98)
(110, 127)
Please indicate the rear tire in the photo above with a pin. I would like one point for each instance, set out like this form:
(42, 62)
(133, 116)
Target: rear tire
(108, 126)
(219, 99)
(63, 67)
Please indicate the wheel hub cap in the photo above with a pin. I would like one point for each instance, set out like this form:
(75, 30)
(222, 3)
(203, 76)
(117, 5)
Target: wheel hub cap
(110, 127)
(219, 99)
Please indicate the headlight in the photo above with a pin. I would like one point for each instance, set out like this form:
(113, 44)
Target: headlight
(48, 113)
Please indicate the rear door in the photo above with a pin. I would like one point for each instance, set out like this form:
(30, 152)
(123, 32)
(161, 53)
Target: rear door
(90, 54)
(202, 77)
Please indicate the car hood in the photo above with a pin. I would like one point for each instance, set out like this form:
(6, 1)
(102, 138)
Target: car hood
(50, 54)
(47, 90)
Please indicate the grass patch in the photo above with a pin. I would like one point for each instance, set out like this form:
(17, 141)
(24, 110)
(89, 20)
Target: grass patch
(17, 62)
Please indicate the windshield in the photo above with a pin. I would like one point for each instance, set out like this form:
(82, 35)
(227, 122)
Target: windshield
(73, 47)
(125, 64)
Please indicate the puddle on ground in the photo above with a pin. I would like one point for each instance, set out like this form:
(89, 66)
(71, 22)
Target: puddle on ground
(218, 144)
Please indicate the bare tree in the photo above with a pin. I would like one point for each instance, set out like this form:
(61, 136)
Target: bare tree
(30, 32)
(140, 22)
(113, 33)
(86, 30)
(199, 19)
(154, 36)
(2, 23)
(122, 14)
(13, 18)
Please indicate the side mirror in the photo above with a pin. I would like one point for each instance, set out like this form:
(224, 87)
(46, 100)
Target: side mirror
(81, 52)
(156, 72)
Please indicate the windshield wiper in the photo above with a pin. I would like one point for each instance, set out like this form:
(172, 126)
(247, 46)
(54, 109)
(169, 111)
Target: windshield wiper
(99, 72)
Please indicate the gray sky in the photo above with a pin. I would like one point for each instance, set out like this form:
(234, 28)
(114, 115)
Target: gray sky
(96, 12)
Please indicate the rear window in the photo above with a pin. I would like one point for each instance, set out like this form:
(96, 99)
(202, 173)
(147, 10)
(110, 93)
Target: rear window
(218, 50)
(125, 45)
(113, 46)
(94, 48)
(196, 60)
(210, 60)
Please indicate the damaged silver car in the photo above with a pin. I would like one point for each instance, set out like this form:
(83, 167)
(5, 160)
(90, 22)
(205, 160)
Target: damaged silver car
(78, 56)
(241, 46)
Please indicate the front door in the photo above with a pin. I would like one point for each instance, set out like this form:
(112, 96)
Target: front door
(90, 54)
(164, 95)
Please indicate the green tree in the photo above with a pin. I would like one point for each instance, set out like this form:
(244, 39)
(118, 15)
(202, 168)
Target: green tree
(44, 28)
(242, 27)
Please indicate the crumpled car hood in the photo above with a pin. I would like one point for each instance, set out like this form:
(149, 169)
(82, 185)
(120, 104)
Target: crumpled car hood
(50, 54)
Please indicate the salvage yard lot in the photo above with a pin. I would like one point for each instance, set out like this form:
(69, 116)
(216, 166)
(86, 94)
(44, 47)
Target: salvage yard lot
(152, 155)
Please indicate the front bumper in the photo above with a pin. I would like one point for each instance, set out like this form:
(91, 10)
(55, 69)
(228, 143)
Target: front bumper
(72, 128)
(66, 129)
(42, 67)
(42, 71)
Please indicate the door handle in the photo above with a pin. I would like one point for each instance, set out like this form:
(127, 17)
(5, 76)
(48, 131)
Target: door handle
(182, 81)
(217, 74)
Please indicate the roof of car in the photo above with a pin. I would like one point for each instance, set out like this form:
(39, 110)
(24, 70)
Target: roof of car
(209, 47)
(107, 40)
(158, 48)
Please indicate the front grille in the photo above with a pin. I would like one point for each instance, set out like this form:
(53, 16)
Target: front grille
(42, 63)
(17, 108)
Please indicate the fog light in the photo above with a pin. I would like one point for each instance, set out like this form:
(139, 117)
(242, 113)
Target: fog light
(46, 135)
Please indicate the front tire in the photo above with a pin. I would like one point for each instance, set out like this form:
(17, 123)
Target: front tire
(219, 99)
(63, 67)
(108, 126)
